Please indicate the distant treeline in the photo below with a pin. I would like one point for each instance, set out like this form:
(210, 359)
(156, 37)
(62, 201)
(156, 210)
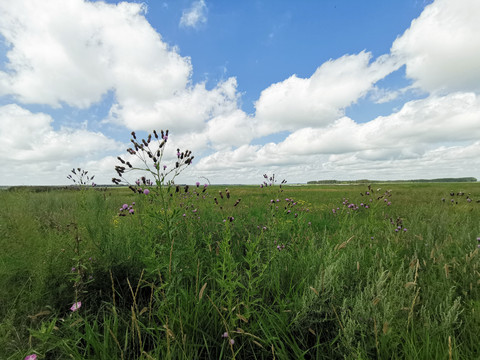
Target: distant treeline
(366, 181)
(43, 188)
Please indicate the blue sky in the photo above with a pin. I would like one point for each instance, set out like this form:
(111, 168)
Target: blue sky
(308, 90)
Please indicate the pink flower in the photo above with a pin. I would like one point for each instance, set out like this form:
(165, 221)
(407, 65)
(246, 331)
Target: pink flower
(31, 357)
(146, 191)
(76, 306)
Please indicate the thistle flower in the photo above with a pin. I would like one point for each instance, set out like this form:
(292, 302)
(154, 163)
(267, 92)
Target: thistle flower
(76, 306)
(31, 357)
(146, 191)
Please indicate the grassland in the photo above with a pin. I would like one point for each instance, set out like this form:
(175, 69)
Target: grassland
(311, 272)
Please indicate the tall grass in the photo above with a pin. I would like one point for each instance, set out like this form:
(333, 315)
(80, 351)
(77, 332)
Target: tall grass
(263, 279)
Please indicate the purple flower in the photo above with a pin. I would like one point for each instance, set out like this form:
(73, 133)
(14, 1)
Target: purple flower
(225, 335)
(165, 137)
(31, 357)
(131, 211)
(125, 206)
(164, 167)
(76, 306)
(73, 269)
(232, 341)
(197, 183)
(405, 229)
(146, 191)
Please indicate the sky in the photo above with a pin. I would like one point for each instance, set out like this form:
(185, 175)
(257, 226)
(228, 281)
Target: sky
(305, 90)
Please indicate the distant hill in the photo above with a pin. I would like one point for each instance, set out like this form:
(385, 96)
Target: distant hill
(366, 181)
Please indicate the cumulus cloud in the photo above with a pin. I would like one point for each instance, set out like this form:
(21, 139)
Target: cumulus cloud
(195, 15)
(419, 128)
(73, 53)
(76, 52)
(188, 110)
(441, 48)
(321, 99)
(31, 146)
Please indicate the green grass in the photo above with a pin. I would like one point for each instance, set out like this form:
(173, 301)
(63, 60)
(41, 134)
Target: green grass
(308, 284)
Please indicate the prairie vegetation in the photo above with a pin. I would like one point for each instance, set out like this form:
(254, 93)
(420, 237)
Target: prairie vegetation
(298, 273)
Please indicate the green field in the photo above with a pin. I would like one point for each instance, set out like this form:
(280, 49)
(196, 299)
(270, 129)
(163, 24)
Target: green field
(392, 274)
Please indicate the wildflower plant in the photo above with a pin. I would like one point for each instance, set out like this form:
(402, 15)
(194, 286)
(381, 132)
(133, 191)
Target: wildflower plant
(80, 177)
(150, 152)
(156, 186)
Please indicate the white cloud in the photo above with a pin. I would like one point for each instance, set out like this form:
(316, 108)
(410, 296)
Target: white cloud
(33, 150)
(188, 110)
(321, 99)
(75, 51)
(441, 48)
(418, 130)
(195, 15)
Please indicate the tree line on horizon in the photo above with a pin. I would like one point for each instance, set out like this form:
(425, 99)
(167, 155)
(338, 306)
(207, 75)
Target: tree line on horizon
(367, 181)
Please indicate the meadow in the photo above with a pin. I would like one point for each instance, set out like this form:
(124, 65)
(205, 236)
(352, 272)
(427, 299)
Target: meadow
(389, 271)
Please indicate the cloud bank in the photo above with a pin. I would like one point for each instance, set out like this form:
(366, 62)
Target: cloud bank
(74, 53)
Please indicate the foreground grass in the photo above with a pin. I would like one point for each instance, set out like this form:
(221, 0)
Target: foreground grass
(300, 281)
